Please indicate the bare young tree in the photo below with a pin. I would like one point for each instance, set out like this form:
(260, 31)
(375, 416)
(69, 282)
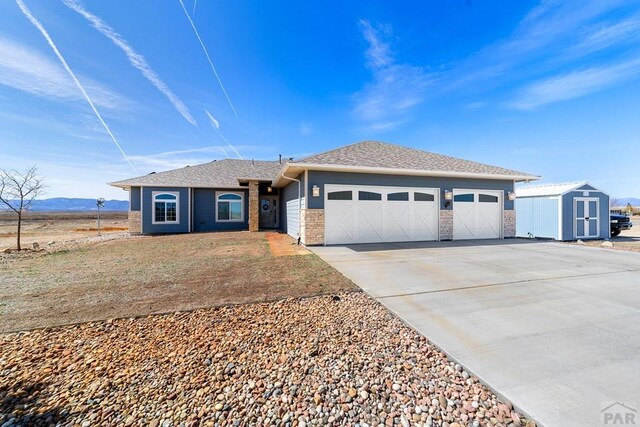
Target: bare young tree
(19, 190)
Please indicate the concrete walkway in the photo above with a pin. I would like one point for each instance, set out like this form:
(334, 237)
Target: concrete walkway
(554, 328)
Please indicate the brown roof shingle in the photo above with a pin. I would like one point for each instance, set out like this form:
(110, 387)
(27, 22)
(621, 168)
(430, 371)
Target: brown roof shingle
(216, 174)
(377, 154)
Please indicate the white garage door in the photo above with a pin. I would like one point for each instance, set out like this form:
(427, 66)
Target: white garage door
(368, 214)
(477, 214)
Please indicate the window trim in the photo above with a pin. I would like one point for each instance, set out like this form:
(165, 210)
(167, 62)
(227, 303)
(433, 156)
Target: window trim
(241, 201)
(154, 194)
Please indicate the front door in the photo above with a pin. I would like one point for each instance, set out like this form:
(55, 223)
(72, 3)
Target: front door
(587, 224)
(269, 215)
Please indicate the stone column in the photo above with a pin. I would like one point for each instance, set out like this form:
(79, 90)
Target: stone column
(312, 226)
(509, 224)
(446, 224)
(254, 206)
(135, 222)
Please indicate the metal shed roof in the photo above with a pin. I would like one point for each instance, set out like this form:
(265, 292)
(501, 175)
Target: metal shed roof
(549, 189)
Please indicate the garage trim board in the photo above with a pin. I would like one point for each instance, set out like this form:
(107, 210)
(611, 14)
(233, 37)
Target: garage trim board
(372, 214)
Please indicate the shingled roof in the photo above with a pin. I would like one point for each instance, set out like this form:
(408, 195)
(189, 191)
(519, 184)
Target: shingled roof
(375, 154)
(216, 174)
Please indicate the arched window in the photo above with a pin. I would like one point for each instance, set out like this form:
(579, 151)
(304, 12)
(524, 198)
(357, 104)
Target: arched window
(165, 207)
(229, 207)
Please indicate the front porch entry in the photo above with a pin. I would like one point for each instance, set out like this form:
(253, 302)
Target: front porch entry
(269, 212)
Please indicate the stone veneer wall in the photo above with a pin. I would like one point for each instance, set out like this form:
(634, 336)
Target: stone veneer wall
(509, 224)
(254, 206)
(446, 224)
(135, 222)
(312, 226)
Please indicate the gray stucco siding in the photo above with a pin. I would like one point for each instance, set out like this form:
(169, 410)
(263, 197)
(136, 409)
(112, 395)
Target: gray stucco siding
(148, 227)
(204, 211)
(134, 199)
(568, 214)
(321, 178)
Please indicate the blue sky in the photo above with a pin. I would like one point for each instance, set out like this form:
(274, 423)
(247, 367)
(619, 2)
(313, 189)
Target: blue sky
(548, 88)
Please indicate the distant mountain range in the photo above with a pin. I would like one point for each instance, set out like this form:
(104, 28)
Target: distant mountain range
(64, 204)
(621, 202)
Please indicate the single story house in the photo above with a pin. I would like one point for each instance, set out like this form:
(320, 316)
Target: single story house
(360, 193)
(570, 211)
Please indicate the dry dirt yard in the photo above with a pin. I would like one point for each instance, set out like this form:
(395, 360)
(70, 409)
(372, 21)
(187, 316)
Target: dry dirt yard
(328, 360)
(45, 227)
(628, 240)
(136, 276)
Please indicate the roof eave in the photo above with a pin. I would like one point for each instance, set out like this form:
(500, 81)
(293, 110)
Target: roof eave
(243, 179)
(129, 185)
(300, 167)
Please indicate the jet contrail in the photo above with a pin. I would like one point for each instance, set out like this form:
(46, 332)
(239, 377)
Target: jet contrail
(216, 126)
(206, 53)
(194, 6)
(25, 10)
(135, 59)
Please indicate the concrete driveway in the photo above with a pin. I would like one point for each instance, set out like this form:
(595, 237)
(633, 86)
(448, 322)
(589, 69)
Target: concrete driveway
(554, 328)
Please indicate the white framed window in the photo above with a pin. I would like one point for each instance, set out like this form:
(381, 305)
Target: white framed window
(229, 206)
(166, 207)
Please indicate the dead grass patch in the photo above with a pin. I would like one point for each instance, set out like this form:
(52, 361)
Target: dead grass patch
(145, 275)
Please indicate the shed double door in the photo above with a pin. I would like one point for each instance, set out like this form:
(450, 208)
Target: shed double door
(586, 220)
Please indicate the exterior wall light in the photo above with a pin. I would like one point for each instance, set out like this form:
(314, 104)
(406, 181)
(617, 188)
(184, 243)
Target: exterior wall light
(511, 195)
(448, 196)
(315, 191)
(269, 189)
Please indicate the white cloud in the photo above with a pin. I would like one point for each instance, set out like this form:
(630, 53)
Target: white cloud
(137, 60)
(379, 50)
(574, 84)
(551, 34)
(396, 88)
(167, 160)
(306, 129)
(28, 70)
(38, 25)
(610, 34)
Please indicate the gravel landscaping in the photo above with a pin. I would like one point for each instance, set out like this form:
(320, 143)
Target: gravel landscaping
(327, 360)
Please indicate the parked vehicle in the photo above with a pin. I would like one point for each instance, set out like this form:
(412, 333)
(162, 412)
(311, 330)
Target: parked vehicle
(619, 223)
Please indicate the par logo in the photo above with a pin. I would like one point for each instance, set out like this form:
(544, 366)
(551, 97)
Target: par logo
(619, 414)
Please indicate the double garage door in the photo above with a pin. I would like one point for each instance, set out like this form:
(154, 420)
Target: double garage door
(370, 214)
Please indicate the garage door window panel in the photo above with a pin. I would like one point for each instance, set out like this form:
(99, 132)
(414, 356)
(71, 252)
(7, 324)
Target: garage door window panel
(423, 197)
(398, 197)
(369, 195)
(464, 198)
(340, 195)
(487, 198)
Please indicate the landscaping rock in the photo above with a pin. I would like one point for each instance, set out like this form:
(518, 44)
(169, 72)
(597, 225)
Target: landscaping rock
(242, 365)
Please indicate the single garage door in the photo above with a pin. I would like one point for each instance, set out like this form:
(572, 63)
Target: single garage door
(369, 214)
(477, 214)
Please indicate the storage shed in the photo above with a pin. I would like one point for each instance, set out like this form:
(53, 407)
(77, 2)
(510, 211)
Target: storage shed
(568, 211)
